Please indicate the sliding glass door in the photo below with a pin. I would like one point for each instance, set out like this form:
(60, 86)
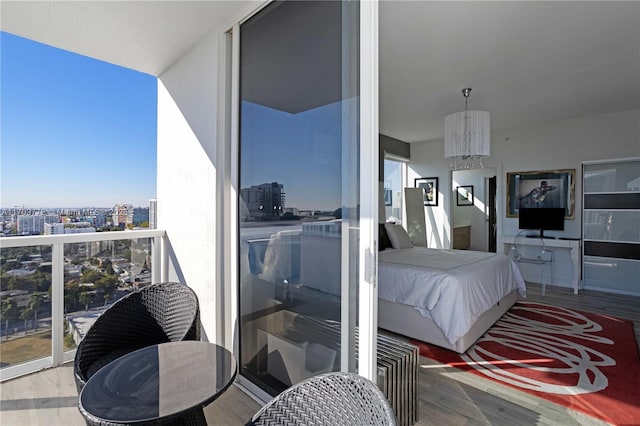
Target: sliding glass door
(299, 192)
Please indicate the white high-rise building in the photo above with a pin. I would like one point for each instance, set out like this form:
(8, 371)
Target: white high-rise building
(153, 213)
(53, 228)
(34, 224)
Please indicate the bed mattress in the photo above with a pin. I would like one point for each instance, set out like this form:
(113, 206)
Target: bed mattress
(451, 287)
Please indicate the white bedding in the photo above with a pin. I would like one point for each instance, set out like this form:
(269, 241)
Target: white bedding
(452, 287)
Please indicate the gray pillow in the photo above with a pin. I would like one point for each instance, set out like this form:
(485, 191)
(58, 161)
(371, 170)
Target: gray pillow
(398, 236)
(383, 238)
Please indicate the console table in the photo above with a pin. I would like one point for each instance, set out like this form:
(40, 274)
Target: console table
(573, 245)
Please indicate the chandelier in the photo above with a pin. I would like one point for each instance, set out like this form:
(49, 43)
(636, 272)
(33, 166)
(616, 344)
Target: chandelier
(467, 137)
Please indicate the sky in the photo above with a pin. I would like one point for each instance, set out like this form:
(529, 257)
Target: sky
(301, 151)
(74, 131)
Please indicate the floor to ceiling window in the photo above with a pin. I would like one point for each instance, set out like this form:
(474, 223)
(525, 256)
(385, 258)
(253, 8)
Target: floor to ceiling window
(298, 191)
(395, 172)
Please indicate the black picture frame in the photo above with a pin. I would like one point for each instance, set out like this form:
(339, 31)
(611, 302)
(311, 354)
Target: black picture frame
(464, 195)
(429, 186)
(546, 188)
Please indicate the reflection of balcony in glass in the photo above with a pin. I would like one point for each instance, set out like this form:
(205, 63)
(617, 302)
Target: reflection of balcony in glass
(263, 202)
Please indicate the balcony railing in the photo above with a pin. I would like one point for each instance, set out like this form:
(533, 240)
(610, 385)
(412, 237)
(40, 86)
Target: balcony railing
(54, 286)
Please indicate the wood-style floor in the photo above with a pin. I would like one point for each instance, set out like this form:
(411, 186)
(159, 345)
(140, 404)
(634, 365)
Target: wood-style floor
(447, 396)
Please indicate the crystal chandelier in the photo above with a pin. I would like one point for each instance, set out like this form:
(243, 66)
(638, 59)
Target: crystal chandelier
(467, 137)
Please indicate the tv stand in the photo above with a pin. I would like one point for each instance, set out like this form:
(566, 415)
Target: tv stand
(563, 244)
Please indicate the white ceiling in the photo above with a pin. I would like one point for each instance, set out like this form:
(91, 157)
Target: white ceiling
(527, 62)
(147, 36)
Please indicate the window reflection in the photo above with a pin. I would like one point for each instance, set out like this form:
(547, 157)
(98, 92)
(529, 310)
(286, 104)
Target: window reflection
(298, 188)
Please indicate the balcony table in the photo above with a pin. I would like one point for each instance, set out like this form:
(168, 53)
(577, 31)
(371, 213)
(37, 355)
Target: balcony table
(160, 384)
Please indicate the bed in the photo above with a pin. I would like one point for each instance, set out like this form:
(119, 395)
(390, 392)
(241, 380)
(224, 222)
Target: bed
(448, 298)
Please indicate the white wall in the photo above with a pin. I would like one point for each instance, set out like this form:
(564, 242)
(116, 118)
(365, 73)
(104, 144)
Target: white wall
(189, 167)
(547, 146)
(187, 108)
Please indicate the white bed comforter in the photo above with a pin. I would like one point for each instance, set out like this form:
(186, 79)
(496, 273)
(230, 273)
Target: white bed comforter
(452, 287)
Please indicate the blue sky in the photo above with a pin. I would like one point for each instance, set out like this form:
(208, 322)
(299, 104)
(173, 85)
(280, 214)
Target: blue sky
(301, 151)
(74, 131)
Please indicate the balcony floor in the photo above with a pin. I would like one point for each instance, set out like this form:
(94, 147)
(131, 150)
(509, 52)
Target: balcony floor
(50, 397)
(446, 395)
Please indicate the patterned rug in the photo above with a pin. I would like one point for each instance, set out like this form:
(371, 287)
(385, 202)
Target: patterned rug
(587, 362)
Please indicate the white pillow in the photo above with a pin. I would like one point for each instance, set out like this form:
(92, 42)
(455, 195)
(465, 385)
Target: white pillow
(398, 236)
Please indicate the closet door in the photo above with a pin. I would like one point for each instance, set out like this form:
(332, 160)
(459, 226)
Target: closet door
(611, 225)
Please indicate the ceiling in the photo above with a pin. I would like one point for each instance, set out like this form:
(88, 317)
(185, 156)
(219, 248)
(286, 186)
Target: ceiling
(147, 36)
(527, 62)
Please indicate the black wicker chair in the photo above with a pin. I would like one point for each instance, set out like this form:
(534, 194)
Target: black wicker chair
(157, 313)
(328, 399)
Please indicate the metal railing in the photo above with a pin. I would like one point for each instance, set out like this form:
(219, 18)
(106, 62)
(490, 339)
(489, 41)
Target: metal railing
(55, 294)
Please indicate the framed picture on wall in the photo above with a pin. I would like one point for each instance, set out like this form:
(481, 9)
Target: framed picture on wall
(547, 188)
(464, 195)
(429, 186)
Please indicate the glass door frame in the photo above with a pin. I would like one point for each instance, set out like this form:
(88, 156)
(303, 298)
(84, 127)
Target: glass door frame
(369, 181)
(227, 313)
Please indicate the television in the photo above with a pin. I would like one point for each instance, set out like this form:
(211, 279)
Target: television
(541, 219)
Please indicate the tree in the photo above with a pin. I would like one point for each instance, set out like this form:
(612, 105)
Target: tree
(108, 267)
(90, 275)
(34, 304)
(25, 315)
(71, 297)
(85, 299)
(107, 284)
(9, 311)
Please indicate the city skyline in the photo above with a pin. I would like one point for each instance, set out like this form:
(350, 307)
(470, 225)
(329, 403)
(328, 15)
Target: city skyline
(76, 132)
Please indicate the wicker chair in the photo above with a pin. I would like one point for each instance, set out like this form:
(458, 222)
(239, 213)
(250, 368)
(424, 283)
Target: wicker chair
(328, 399)
(157, 313)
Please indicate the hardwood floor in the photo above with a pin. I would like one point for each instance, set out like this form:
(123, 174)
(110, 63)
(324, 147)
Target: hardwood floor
(447, 396)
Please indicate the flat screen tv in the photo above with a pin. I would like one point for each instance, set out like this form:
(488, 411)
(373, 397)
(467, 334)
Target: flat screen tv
(541, 219)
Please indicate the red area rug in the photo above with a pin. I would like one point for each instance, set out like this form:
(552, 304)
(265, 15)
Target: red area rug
(587, 362)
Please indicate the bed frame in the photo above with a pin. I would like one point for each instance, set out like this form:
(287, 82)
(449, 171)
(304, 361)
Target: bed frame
(406, 320)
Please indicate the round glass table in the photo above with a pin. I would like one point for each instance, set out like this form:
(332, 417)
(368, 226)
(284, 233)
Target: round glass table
(168, 382)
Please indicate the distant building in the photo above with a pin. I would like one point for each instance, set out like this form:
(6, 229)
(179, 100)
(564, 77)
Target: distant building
(140, 214)
(34, 224)
(153, 213)
(53, 228)
(78, 228)
(97, 219)
(263, 202)
(68, 228)
(122, 215)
